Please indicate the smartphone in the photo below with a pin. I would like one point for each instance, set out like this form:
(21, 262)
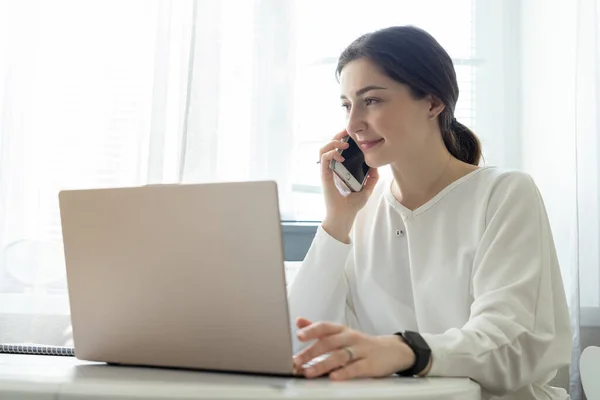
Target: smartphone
(353, 171)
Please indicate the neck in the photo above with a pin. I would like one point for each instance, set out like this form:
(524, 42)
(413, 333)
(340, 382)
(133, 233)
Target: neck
(422, 175)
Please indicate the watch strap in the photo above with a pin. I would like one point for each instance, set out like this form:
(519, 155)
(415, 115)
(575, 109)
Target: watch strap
(422, 353)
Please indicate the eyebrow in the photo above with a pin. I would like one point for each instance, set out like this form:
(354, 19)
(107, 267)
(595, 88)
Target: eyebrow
(364, 90)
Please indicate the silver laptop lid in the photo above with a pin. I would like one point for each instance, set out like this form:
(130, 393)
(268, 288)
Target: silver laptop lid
(185, 276)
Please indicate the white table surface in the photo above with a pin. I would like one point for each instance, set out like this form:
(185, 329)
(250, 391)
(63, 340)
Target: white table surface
(58, 378)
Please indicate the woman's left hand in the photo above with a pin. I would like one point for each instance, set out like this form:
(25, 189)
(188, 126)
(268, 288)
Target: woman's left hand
(352, 354)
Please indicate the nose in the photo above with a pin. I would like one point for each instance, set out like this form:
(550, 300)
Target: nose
(355, 122)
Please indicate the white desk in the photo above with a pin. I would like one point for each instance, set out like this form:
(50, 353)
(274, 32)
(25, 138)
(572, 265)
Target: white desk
(57, 378)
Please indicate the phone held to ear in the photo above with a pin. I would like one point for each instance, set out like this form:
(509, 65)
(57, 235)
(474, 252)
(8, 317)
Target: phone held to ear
(353, 171)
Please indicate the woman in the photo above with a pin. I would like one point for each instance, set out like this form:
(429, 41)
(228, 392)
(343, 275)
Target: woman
(449, 269)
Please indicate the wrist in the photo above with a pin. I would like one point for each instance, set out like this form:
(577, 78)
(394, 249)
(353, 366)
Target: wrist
(338, 228)
(421, 352)
(404, 354)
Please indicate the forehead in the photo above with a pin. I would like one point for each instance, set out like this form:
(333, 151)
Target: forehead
(361, 73)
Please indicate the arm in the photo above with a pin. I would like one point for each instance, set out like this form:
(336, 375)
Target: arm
(518, 332)
(319, 291)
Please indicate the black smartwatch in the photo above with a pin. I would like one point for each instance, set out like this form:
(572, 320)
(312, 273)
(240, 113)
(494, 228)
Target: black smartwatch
(421, 349)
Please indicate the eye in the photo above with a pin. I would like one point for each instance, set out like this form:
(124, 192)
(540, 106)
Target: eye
(346, 106)
(369, 101)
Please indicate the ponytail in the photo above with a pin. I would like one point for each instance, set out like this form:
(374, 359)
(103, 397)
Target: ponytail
(462, 143)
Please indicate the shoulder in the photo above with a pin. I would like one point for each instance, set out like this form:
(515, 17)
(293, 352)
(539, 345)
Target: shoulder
(509, 192)
(507, 184)
(493, 177)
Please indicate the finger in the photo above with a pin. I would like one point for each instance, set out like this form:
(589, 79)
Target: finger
(341, 186)
(336, 360)
(318, 330)
(331, 155)
(297, 371)
(322, 346)
(333, 145)
(302, 322)
(357, 369)
(340, 135)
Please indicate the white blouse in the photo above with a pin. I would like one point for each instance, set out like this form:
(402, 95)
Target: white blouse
(474, 270)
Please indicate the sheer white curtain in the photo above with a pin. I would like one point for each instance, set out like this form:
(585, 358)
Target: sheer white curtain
(239, 122)
(90, 96)
(560, 130)
(130, 92)
(121, 93)
(127, 93)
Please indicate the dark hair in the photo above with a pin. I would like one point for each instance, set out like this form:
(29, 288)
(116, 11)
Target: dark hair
(411, 56)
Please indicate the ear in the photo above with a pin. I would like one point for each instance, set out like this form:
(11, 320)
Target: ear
(435, 106)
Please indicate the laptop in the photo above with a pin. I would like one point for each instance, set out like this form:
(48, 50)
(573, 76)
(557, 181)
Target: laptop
(184, 276)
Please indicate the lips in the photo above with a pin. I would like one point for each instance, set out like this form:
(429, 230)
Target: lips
(368, 144)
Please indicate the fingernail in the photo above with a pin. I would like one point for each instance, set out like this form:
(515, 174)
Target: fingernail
(301, 334)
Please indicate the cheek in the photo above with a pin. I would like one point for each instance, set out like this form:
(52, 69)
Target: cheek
(391, 124)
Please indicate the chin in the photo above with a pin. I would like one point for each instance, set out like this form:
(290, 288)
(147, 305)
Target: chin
(375, 162)
(380, 157)
(377, 159)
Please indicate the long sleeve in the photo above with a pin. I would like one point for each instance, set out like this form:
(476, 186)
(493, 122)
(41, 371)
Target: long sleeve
(319, 291)
(518, 330)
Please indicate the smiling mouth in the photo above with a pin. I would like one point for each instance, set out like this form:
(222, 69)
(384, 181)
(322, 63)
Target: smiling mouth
(370, 144)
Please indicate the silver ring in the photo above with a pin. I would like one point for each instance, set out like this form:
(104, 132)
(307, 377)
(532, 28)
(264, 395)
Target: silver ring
(350, 353)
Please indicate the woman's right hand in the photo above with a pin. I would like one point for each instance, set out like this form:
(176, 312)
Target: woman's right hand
(341, 205)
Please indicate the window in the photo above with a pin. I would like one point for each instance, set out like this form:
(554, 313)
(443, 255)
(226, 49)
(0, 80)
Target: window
(111, 93)
(76, 114)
